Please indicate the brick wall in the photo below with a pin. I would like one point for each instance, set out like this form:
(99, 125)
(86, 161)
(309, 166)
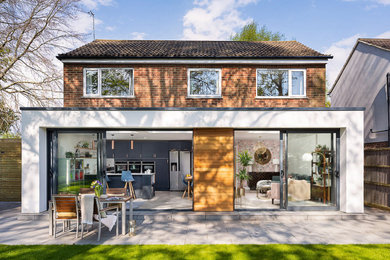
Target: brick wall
(166, 86)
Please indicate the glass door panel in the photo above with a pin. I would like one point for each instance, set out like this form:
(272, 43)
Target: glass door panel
(310, 169)
(77, 161)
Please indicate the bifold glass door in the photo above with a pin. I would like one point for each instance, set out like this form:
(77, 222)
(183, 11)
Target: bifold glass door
(310, 172)
(76, 159)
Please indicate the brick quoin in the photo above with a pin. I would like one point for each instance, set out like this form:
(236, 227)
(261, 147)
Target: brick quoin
(166, 86)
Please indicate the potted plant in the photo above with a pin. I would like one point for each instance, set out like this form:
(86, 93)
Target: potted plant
(244, 158)
(69, 155)
(98, 188)
(85, 145)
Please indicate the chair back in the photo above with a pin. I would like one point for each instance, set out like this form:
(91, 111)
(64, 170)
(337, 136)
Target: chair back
(116, 191)
(65, 206)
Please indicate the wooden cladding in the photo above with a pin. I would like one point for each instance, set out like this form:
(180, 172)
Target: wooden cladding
(10, 169)
(213, 169)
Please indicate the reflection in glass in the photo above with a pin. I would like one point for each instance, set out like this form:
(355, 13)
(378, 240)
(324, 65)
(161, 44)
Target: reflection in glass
(310, 165)
(204, 82)
(116, 82)
(297, 83)
(77, 161)
(91, 82)
(272, 82)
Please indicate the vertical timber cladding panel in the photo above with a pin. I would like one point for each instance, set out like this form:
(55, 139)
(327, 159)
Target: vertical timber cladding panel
(213, 169)
(10, 169)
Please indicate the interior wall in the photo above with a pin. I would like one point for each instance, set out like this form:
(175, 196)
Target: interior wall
(252, 145)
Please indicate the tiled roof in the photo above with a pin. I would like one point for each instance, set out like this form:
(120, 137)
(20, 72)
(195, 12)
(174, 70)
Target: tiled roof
(381, 43)
(192, 49)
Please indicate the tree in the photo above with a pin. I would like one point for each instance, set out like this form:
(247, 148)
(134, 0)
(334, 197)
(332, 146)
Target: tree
(251, 32)
(8, 117)
(32, 32)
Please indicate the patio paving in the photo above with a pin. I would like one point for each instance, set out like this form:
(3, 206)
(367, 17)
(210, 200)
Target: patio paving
(196, 228)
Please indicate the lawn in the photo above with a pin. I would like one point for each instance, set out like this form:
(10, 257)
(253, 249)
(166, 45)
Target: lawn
(166, 252)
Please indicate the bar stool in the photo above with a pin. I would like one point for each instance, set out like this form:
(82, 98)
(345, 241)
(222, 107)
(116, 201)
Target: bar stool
(128, 178)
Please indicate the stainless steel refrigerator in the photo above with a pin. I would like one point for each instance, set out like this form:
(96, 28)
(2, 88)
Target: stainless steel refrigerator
(179, 167)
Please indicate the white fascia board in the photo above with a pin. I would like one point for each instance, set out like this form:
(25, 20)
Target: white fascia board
(197, 61)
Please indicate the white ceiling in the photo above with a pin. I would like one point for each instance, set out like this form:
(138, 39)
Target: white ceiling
(186, 135)
(149, 135)
(256, 135)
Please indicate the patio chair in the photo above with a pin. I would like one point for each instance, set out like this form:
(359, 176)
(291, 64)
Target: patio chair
(116, 191)
(102, 213)
(66, 209)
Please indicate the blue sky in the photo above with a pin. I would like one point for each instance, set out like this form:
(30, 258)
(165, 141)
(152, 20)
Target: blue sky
(329, 26)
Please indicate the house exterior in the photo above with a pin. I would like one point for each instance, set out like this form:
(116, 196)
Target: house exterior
(212, 92)
(365, 74)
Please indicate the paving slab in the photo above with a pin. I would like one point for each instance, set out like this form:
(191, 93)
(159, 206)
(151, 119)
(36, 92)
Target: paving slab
(177, 228)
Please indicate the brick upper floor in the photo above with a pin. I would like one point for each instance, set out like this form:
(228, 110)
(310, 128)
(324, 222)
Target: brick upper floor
(166, 85)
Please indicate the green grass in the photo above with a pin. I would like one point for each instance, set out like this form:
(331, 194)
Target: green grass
(166, 252)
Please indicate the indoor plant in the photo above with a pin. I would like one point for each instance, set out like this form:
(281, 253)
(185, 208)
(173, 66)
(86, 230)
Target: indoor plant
(244, 158)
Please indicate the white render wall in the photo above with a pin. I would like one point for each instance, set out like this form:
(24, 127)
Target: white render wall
(35, 122)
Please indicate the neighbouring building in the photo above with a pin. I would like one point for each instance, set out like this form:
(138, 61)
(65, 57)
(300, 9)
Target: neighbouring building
(168, 109)
(362, 82)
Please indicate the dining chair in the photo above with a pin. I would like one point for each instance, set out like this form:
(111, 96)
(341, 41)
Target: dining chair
(101, 214)
(66, 209)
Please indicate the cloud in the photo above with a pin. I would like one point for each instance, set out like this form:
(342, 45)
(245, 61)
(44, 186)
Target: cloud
(110, 28)
(214, 19)
(93, 4)
(138, 35)
(340, 51)
(84, 23)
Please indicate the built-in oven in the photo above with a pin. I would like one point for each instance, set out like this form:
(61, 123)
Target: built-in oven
(135, 167)
(148, 166)
(121, 166)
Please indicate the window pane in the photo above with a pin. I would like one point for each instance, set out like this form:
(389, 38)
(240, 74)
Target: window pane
(297, 83)
(272, 83)
(116, 82)
(77, 161)
(91, 82)
(204, 82)
(310, 169)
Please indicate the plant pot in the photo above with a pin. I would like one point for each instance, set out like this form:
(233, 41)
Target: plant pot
(240, 192)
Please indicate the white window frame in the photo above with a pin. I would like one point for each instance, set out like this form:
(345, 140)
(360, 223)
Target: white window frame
(219, 86)
(99, 93)
(289, 83)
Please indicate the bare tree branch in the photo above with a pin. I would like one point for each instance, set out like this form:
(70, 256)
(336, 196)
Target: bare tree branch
(32, 33)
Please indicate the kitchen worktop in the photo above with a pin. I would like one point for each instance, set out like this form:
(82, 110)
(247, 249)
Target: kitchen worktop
(133, 173)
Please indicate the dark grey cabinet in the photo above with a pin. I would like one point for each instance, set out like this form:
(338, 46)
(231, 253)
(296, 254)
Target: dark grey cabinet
(162, 174)
(157, 149)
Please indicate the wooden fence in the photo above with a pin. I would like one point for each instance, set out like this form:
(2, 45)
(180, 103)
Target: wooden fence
(10, 169)
(377, 177)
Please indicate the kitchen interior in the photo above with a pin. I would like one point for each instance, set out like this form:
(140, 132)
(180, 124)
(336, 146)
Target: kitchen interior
(159, 161)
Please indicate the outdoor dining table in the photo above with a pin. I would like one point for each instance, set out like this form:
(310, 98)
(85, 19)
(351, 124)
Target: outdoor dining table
(108, 200)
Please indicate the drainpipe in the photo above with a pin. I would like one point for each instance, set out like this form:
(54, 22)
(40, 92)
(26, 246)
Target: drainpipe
(388, 108)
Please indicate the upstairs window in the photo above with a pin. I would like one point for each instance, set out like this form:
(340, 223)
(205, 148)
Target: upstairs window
(204, 83)
(108, 82)
(281, 83)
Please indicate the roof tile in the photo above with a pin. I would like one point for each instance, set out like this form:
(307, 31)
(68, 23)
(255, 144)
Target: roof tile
(192, 49)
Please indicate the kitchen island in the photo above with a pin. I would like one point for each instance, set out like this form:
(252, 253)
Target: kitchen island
(142, 184)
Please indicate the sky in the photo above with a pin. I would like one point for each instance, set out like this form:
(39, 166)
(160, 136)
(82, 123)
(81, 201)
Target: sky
(328, 26)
